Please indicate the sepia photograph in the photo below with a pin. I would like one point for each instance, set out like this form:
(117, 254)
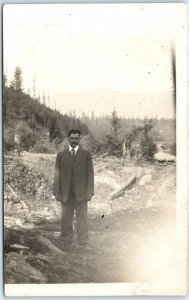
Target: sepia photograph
(95, 149)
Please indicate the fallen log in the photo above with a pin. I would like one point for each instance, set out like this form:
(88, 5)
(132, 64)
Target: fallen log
(45, 241)
(19, 247)
(13, 237)
(125, 185)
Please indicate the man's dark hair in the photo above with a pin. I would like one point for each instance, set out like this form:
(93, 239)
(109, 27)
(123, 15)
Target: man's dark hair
(74, 131)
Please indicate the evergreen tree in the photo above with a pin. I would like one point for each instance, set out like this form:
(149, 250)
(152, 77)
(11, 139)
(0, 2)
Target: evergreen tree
(115, 125)
(112, 142)
(34, 88)
(16, 84)
(4, 80)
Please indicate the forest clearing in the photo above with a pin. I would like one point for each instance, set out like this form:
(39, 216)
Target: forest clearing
(94, 105)
(126, 232)
(130, 216)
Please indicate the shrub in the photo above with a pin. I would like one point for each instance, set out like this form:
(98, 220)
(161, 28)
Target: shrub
(27, 135)
(8, 139)
(148, 148)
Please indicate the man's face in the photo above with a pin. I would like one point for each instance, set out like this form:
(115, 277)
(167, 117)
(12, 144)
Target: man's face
(74, 140)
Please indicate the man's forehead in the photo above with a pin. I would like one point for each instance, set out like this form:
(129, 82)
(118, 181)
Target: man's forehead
(74, 135)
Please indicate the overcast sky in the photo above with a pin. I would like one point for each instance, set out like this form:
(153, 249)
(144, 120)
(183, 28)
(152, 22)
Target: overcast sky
(90, 47)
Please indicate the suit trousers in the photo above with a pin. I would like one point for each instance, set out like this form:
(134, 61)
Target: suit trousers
(68, 209)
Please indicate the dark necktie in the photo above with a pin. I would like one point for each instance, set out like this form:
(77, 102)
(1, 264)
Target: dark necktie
(73, 154)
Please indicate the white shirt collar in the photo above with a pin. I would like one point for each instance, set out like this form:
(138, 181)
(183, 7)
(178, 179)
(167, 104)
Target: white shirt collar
(76, 149)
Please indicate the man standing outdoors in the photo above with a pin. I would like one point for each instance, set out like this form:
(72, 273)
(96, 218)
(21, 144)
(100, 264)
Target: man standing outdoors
(74, 187)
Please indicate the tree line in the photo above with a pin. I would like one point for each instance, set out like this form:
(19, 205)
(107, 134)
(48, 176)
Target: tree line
(163, 129)
(36, 124)
(38, 128)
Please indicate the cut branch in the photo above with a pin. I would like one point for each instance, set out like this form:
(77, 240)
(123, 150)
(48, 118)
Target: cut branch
(126, 184)
(15, 195)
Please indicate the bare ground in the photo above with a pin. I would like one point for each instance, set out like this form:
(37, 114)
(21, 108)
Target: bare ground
(125, 234)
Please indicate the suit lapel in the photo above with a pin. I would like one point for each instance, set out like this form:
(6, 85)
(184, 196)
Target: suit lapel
(77, 157)
(68, 158)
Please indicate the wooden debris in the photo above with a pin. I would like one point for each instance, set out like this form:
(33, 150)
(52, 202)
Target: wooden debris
(12, 222)
(164, 156)
(15, 195)
(18, 246)
(45, 241)
(126, 184)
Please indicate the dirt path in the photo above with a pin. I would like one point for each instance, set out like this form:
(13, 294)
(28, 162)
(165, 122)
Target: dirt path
(115, 243)
(122, 238)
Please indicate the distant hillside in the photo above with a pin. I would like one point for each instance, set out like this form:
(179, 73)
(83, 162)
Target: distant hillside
(36, 124)
(103, 101)
(42, 129)
(131, 108)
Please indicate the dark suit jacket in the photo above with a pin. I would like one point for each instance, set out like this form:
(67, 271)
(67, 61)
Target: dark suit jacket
(83, 175)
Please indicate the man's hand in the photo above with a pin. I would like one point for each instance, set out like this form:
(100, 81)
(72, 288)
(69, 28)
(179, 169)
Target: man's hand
(58, 197)
(89, 197)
